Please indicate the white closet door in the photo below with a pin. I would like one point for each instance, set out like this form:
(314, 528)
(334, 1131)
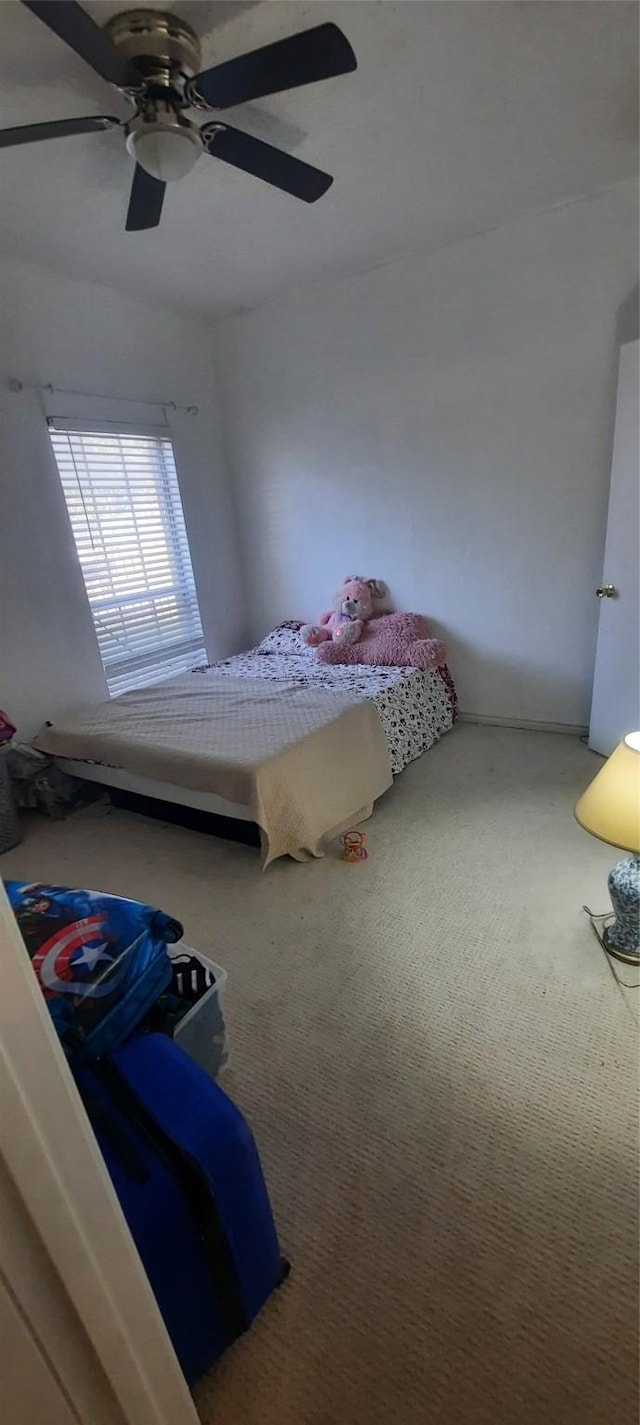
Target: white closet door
(30, 1390)
(615, 709)
(55, 1331)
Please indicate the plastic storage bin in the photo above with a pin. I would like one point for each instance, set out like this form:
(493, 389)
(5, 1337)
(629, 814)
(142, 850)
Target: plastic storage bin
(202, 1031)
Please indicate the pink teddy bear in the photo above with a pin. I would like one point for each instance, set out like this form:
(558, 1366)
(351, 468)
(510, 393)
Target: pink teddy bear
(353, 604)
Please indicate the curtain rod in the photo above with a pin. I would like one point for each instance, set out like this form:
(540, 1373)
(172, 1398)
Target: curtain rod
(15, 387)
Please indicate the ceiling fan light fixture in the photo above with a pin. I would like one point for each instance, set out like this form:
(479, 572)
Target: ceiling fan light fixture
(167, 152)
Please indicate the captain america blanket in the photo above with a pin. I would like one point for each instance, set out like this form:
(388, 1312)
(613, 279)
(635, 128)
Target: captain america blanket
(101, 960)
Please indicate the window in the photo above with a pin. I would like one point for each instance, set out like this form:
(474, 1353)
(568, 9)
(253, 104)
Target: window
(123, 499)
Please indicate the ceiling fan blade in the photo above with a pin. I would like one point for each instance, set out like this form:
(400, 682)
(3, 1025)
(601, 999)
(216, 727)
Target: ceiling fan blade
(319, 53)
(73, 25)
(270, 164)
(145, 203)
(59, 129)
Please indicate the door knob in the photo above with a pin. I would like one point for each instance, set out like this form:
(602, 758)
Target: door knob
(607, 591)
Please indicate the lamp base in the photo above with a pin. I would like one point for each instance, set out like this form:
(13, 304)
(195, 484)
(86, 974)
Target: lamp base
(622, 937)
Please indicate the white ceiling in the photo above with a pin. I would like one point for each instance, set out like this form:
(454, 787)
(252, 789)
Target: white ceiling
(463, 114)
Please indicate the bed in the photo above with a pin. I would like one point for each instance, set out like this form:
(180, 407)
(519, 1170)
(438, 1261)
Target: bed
(272, 736)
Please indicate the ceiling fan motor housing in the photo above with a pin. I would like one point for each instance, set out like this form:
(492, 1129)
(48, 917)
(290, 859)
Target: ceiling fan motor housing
(163, 47)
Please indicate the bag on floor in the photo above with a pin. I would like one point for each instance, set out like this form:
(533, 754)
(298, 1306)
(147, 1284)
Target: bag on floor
(186, 1170)
(101, 960)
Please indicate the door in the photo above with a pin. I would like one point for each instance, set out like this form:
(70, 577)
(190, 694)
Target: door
(37, 1319)
(615, 709)
(30, 1390)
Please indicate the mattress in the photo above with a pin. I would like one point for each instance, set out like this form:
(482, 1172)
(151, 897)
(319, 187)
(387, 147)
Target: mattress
(415, 707)
(305, 763)
(304, 747)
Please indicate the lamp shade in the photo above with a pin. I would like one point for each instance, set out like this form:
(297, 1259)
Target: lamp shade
(610, 807)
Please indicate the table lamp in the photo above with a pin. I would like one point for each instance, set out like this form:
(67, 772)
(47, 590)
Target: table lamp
(610, 810)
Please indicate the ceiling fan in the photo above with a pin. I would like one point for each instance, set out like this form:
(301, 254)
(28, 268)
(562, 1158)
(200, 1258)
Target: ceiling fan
(153, 58)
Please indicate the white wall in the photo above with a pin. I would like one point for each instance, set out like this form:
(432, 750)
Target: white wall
(90, 339)
(445, 423)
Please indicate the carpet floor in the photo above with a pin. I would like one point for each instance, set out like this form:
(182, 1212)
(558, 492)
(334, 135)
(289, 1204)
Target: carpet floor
(441, 1075)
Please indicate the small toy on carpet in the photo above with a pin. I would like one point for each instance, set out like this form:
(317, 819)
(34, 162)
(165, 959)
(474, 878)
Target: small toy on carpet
(354, 847)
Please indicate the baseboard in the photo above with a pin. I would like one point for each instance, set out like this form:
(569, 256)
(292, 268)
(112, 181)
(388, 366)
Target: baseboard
(525, 724)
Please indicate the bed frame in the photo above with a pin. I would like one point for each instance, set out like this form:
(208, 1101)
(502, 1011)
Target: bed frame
(199, 811)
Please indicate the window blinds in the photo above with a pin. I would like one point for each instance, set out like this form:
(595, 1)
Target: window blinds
(123, 499)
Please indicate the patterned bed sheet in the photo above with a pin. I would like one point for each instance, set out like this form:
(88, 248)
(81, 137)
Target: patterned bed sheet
(415, 707)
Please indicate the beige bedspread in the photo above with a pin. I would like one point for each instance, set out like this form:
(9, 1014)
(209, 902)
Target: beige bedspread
(305, 762)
